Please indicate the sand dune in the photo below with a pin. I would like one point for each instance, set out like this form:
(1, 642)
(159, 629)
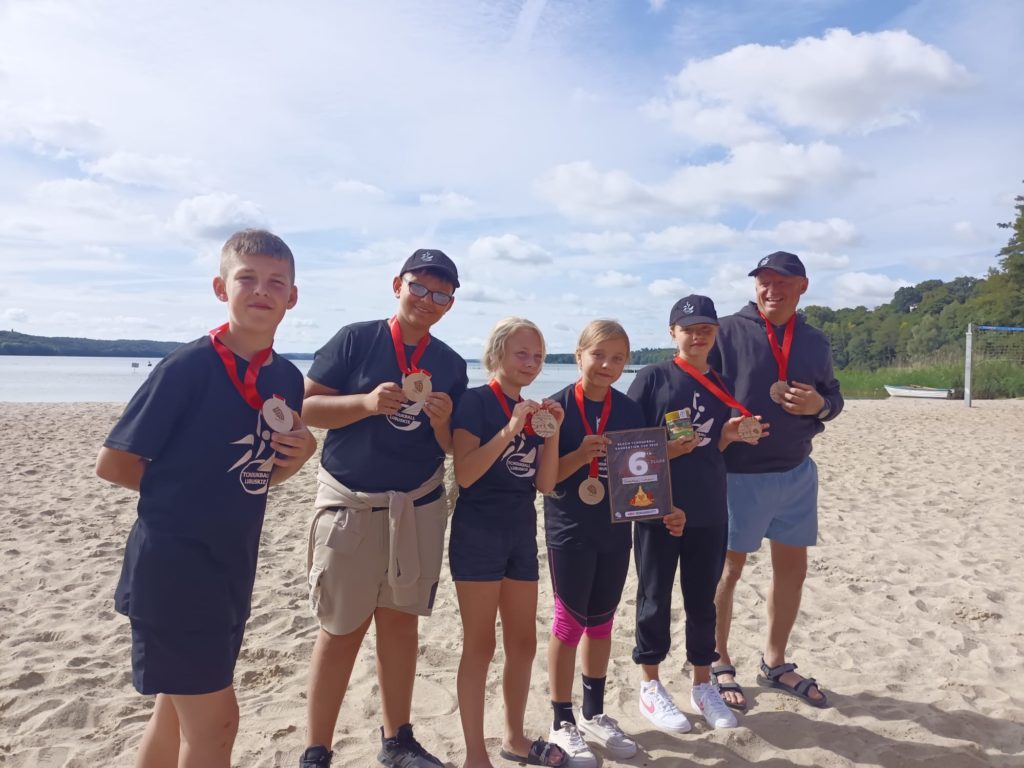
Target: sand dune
(912, 616)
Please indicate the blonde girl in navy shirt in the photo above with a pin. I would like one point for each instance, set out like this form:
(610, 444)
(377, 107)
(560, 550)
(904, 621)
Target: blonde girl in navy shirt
(500, 464)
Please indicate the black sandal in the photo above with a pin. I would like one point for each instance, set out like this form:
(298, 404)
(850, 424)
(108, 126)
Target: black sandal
(540, 754)
(770, 676)
(733, 687)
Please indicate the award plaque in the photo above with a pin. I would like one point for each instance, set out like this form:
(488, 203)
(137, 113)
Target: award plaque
(778, 392)
(277, 414)
(749, 430)
(416, 386)
(639, 483)
(592, 491)
(543, 423)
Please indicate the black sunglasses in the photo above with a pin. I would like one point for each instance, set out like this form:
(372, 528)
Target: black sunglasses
(438, 297)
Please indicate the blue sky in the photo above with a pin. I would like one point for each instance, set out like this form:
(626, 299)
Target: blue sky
(577, 158)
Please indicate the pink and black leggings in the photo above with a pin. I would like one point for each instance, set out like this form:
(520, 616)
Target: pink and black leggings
(587, 587)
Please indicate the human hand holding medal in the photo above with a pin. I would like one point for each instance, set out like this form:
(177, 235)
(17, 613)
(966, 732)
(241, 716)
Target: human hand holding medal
(543, 423)
(777, 392)
(293, 448)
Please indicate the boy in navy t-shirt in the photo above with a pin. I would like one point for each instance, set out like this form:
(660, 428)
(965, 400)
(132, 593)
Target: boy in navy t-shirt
(384, 390)
(215, 423)
(686, 384)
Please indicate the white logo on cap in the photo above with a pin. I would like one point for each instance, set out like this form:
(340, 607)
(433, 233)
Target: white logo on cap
(687, 308)
(427, 256)
(762, 262)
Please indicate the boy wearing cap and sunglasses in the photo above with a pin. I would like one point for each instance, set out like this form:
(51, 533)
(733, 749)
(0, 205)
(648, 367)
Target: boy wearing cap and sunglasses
(667, 392)
(384, 390)
(782, 368)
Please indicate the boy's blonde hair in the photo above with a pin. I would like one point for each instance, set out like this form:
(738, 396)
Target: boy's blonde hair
(597, 331)
(494, 348)
(254, 242)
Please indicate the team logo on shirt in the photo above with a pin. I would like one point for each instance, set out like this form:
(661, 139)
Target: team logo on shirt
(701, 427)
(519, 461)
(257, 462)
(407, 419)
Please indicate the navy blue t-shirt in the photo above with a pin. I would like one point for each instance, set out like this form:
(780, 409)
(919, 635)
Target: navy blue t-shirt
(504, 495)
(698, 478)
(383, 453)
(190, 560)
(569, 523)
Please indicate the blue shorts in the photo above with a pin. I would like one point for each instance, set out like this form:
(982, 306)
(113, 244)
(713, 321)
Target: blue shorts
(179, 662)
(480, 553)
(781, 506)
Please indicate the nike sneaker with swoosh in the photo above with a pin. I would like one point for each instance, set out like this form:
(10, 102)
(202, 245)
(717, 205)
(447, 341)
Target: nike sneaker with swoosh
(657, 706)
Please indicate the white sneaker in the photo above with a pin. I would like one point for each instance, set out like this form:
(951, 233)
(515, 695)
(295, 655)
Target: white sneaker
(606, 733)
(708, 701)
(657, 706)
(570, 741)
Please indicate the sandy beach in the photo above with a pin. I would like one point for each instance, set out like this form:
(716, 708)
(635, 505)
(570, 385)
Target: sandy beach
(913, 614)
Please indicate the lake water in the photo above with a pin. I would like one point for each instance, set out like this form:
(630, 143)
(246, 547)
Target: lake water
(114, 379)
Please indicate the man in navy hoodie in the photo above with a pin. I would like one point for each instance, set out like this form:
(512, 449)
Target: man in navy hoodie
(782, 368)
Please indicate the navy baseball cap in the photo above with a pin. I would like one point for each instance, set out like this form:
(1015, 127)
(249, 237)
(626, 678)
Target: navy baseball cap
(431, 258)
(782, 262)
(693, 309)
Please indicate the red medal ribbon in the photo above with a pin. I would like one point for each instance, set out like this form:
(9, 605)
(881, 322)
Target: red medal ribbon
(500, 394)
(246, 389)
(606, 411)
(720, 392)
(780, 353)
(396, 337)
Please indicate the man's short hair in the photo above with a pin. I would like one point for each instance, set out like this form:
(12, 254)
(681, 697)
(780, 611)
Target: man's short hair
(255, 242)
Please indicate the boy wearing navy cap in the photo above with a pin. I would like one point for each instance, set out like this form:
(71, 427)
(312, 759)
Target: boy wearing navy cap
(384, 390)
(215, 423)
(782, 368)
(685, 386)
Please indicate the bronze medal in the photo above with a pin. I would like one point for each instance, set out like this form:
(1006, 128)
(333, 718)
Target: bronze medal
(778, 392)
(749, 430)
(277, 414)
(592, 491)
(543, 423)
(417, 386)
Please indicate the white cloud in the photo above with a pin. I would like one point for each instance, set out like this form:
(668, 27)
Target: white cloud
(356, 188)
(965, 231)
(692, 238)
(820, 235)
(451, 202)
(601, 242)
(15, 315)
(656, 5)
(484, 295)
(82, 196)
(508, 248)
(819, 261)
(140, 170)
(215, 216)
(759, 175)
(833, 84)
(615, 279)
(672, 286)
(853, 289)
(726, 124)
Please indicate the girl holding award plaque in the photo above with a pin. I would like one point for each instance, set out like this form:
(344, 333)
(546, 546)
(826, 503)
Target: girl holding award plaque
(588, 556)
(670, 394)
(505, 450)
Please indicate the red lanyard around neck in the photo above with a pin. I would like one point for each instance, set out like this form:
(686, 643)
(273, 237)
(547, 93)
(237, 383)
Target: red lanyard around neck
(410, 366)
(781, 354)
(720, 392)
(246, 389)
(602, 423)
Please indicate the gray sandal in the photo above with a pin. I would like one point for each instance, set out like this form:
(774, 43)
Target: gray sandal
(770, 676)
(733, 687)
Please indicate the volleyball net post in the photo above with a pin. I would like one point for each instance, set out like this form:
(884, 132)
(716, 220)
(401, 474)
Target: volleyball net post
(990, 345)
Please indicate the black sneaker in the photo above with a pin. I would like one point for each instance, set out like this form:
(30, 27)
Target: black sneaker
(403, 751)
(316, 757)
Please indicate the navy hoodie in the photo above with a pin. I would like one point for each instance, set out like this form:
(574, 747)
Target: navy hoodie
(743, 354)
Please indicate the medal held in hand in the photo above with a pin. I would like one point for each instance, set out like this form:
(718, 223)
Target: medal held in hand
(544, 423)
(778, 392)
(592, 491)
(749, 430)
(416, 384)
(277, 414)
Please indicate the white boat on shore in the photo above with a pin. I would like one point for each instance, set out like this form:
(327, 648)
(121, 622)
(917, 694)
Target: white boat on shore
(913, 390)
